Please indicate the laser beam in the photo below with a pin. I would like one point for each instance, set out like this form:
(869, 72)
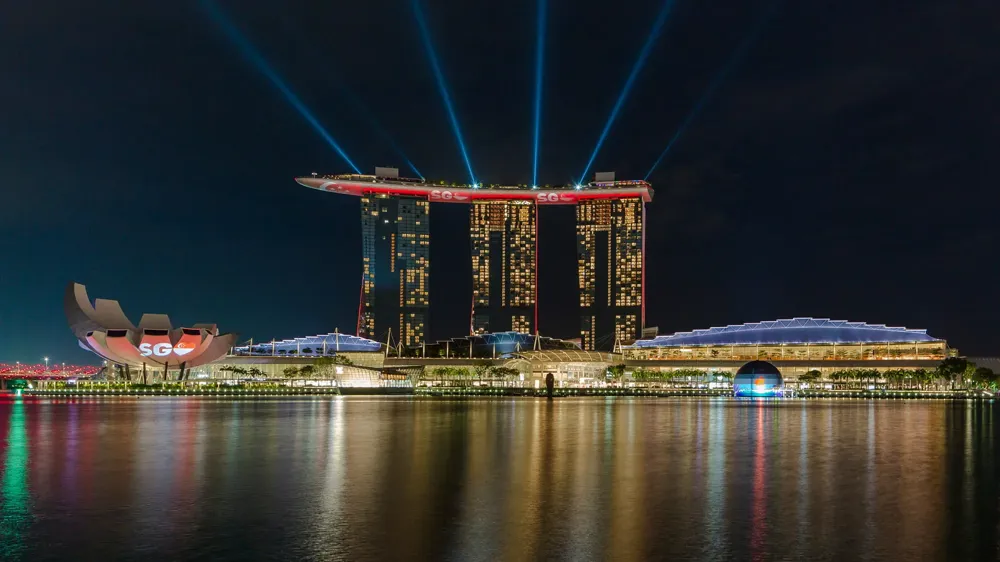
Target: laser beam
(719, 78)
(249, 52)
(539, 66)
(425, 36)
(661, 19)
(341, 85)
(379, 129)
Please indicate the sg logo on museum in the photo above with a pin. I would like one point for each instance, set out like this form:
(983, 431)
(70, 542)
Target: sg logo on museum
(164, 349)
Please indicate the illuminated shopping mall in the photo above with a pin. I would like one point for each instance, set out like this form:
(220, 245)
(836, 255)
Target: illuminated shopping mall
(794, 347)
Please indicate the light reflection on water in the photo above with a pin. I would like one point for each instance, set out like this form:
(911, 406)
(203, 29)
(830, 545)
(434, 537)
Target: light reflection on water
(519, 479)
(15, 514)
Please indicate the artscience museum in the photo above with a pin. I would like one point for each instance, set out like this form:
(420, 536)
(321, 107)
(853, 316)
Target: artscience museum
(154, 345)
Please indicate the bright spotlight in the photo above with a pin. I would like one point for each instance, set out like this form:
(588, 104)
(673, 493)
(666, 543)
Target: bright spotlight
(425, 35)
(534, 187)
(254, 57)
(736, 57)
(639, 63)
(578, 186)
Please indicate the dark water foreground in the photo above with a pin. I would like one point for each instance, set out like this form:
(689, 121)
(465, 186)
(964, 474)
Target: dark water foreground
(505, 479)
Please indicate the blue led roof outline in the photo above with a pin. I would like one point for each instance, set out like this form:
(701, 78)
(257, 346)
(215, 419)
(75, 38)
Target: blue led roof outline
(333, 342)
(791, 331)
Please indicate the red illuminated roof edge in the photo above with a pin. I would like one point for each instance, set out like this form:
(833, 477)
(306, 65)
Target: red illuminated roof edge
(447, 194)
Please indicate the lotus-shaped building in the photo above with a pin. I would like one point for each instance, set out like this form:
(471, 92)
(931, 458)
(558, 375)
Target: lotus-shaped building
(102, 328)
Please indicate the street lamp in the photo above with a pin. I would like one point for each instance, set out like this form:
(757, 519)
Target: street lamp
(46, 363)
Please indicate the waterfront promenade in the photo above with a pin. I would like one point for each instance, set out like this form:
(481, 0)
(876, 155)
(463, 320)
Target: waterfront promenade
(262, 391)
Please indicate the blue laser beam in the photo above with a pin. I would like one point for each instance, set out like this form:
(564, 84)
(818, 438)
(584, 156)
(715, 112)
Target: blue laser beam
(410, 164)
(379, 129)
(717, 80)
(425, 36)
(341, 85)
(539, 67)
(654, 33)
(247, 49)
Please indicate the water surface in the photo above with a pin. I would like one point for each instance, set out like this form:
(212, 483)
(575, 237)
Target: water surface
(506, 479)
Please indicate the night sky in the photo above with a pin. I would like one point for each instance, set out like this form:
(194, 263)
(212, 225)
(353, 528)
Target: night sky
(844, 168)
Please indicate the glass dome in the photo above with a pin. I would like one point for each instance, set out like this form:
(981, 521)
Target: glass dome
(758, 378)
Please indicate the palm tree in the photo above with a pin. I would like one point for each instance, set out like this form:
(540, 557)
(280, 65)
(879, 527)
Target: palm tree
(810, 376)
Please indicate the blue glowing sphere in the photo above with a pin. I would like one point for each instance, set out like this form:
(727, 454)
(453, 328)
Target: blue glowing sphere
(757, 378)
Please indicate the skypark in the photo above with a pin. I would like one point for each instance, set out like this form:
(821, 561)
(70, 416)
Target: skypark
(360, 184)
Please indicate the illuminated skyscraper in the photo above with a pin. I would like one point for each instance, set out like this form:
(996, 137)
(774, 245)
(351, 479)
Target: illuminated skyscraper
(610, 253)
(504, 281)
(503, 234)
(395, 268)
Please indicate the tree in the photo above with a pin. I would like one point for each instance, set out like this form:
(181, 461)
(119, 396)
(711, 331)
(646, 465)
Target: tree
(952, 369)
(923, 377)
(482, 369)
(323, 366)
(686, 375)
(290, 372)
(256, 373)
(897, 377)
(810, 376)
(307, 371)
(616, 372)
(235, 372)
(504, 372)
(727, 375)
(983, 377)
(641, 374)
(450, 373)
